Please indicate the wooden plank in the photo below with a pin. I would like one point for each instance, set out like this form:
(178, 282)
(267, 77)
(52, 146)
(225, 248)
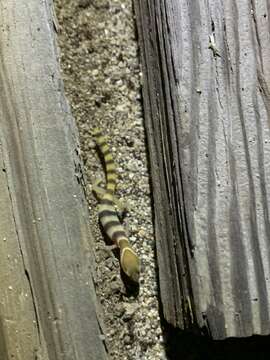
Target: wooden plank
(207, 123)
(47, 302)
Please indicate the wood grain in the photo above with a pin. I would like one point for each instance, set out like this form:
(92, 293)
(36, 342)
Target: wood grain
(48, 308)
(207, 125)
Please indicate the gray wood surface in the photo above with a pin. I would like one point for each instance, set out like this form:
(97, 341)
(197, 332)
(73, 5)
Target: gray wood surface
(48, 308)
(207, 119)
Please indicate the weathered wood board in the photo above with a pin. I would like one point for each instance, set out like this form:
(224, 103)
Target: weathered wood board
(48, 308)
(207, 117)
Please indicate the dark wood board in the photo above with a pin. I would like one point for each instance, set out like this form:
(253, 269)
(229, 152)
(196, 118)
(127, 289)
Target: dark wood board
(207, 117)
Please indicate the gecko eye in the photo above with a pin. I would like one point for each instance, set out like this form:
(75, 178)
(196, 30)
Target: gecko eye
(135, 275)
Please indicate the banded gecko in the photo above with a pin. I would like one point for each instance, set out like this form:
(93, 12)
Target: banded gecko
(129, 261)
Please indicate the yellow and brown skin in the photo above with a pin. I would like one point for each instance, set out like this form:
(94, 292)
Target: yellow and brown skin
(129, 261)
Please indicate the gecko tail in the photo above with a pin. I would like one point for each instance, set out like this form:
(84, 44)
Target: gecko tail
(111, 174)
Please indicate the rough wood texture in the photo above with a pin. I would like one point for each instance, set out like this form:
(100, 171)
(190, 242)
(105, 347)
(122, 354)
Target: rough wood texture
(207, 123)
(47, 300)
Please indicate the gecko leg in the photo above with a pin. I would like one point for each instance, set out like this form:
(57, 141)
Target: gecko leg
(97, 189)
(120, 204)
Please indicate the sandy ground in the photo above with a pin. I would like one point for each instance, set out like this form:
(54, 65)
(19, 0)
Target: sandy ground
(102, 77)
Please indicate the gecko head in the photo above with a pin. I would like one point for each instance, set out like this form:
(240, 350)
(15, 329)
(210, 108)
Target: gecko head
(130, 263)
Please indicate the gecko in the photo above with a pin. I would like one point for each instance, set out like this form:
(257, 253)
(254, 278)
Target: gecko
(108, 217)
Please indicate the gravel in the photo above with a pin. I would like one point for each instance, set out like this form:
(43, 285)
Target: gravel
(102, 77)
